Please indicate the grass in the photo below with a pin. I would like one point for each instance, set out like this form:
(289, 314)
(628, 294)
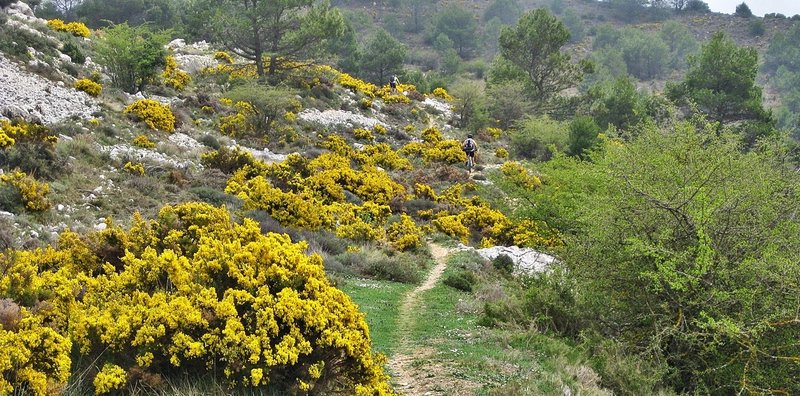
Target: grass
(380, 301)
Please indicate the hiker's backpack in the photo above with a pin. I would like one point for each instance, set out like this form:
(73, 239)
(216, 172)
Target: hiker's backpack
(469, 146)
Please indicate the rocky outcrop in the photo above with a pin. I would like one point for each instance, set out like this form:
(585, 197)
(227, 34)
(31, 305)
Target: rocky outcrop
(526, 260)
(36, 99)
(339, 117)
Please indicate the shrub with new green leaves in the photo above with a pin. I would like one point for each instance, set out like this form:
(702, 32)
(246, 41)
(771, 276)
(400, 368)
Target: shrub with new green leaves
(133, 56)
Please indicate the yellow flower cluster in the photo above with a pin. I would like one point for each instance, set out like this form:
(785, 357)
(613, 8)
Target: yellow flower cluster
(435, 148)
(134, 168)
(35, 358)
(380, 129)
(191, 290)
(238, 123)
(33, 192)
(365, 103)
(357, 85)
(90, 87)
(404, 234)
(441, 93)
(372, 91)
(290, 116)
(223, 57)
(144, 142)
(226, 159)
(76, 29)
(173, 76)
(494, 132)
(501, 153)
(519, 175)
(110, 378)
(12, 132)
(363, 134)
(154, 114)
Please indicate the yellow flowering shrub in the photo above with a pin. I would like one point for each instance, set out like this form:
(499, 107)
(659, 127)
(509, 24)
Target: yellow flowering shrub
(173, 76)
(223, 57)
(431, 135)
(76, 29)
(410, 128)
(501, 153)
(90, 87)
(363, 134)
(94, 121)
(494, 132)
(188, 292)
(20, 131)
(425, 191)
(379, 129)
(290, 116)
(142, 141)
(452, 225)
(382, 155)
(33, 193)
(153, 113)
(517, 174)
(35, 357)
(365, 103)
(238, 123)
(134, 168)
(404, 234)
(357, 85)
(110, 378)
(441, 93)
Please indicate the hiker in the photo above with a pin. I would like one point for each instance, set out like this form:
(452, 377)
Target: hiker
(470, 148)
(393, 83)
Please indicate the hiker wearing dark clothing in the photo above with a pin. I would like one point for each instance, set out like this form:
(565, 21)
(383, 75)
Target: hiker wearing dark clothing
(393, 83)
(470, 148)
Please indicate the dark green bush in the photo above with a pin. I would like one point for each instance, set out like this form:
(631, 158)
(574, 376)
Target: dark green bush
(462, 280)
(214, 196)
(743, 11)
(503, 263)
(74, 53)
(324, 242)
(400, 268)
(757, 28)
(550, 303)
(227, 160)
(210, 141)
(506, 310)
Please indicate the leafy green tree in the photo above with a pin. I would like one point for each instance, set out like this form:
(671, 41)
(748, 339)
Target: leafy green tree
(618, 104)
(645, 53)
(698, 6)
(132, 55)
(681, 43)
(539, 138)
(100, 13)
(282, 33)
(470, 105)
(458, 25)
(533, 47)
(574, 24)
(268, 103)
(382, 56)
(722, 82)
(508, 103)
(583, 135)
(743, 11)
(417, 11)
(507, 11)
(688, 251)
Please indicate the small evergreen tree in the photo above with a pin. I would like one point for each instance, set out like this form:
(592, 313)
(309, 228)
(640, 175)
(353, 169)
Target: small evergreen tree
(743, 11)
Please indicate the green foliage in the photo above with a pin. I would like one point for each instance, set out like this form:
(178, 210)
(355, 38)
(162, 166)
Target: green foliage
(618, 103)
(268, 104)
(698, 6)
(679, 276)
(470, 104)
(743, 11)
(532, 49)
(583, 135)
(721, 81)
(550, 301)
(757, 28)
(508, 103)
(284, 32)
(681, 43)
(74, 52)
(534, 137)
(503, 263)
(645, 54)
(161, 14)
(133, 56)
(382, 57)
(463, 280)
(506, 11)
(459, 25)
(572, 21)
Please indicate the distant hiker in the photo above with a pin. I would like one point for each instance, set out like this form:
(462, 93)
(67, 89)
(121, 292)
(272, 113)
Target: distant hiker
(393, 83)
(470, 148)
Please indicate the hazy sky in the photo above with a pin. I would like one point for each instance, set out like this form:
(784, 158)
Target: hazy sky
(759, 7)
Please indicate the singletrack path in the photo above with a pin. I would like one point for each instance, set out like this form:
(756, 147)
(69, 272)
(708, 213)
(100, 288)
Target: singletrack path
(414, 372)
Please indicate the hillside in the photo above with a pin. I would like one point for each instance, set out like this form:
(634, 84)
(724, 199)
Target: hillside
(181, 216)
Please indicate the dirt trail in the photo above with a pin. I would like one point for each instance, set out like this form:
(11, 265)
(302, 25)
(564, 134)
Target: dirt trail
(413, 372)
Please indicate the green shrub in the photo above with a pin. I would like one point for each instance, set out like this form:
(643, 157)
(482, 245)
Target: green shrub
(743, 11)
(503, 263)
(210, 141)
(462, 280)
(74, 53)
(536, 136)
(583, 132)
(550, 302)
(399, 268)
(757, 28)
(214, 197)
(506, 310)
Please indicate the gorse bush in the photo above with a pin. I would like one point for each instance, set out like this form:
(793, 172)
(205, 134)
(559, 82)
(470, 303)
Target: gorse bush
(174, 77)
(184, 293)
(90, 87)
(153, 113)
(76, 29)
